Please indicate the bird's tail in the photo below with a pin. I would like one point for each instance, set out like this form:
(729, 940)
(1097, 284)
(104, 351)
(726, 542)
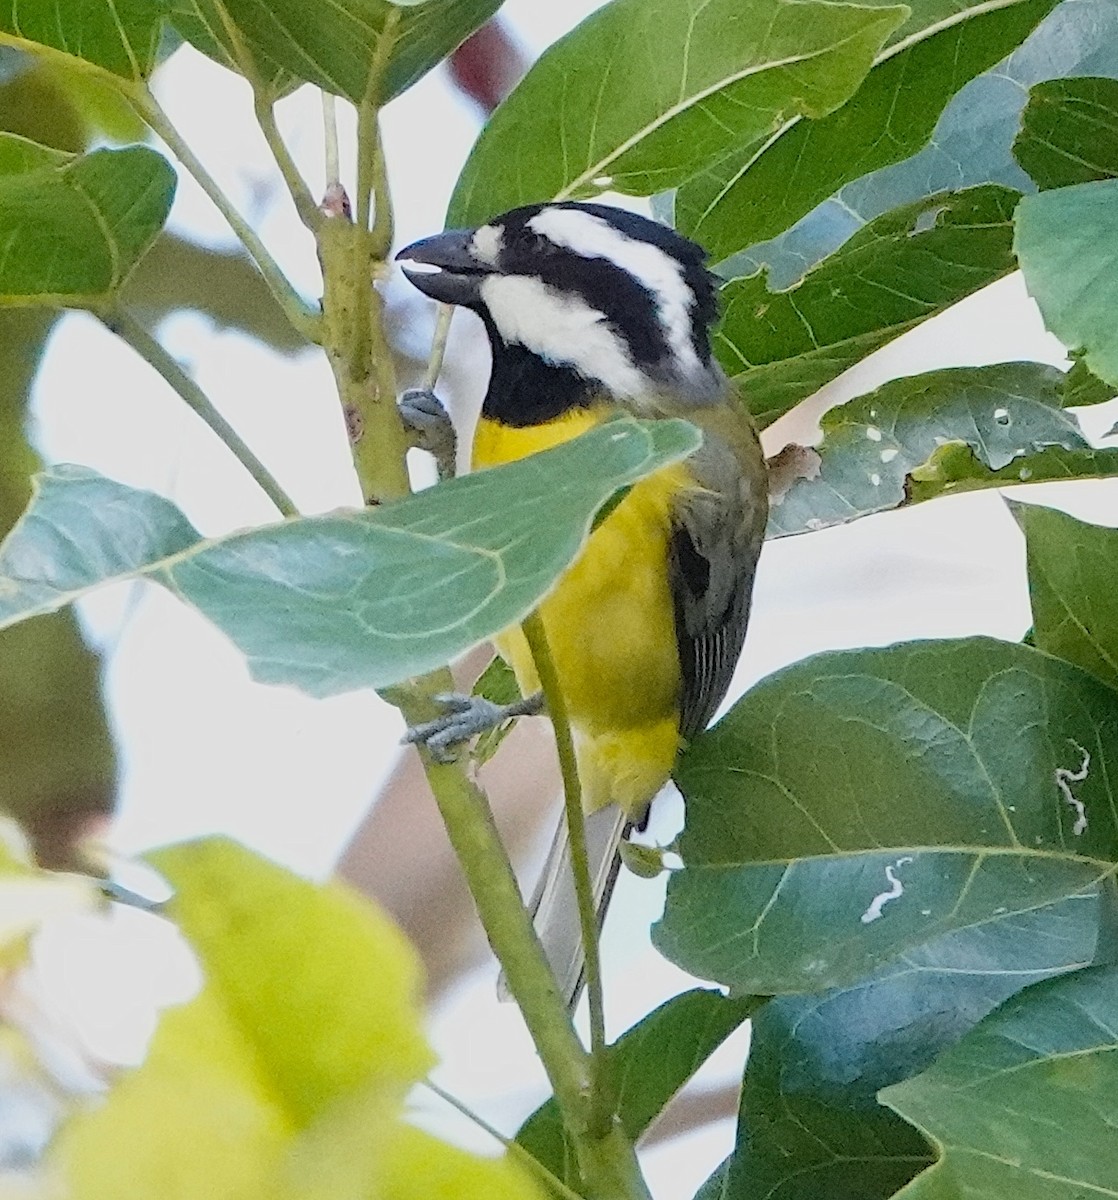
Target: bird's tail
(553, 905)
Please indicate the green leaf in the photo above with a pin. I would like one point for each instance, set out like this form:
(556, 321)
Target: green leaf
(121, 36)
(1069, 132)
(650, 1063)
(644, 92)
(74, 227)
(954, 469)
(809, 1124)
(333, 603)
(860, 803)
(1067, 243)
(872, 445)
(971, 144)
(781, 346)
(1073, 585)
(750, 197)
(346, 1018)
(1083, 389)
(1027, 1103)
(335, 44)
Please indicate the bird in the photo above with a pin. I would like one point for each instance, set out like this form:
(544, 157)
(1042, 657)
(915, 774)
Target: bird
(592, 310)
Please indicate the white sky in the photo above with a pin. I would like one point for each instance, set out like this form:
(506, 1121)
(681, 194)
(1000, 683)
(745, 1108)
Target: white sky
(204, 749)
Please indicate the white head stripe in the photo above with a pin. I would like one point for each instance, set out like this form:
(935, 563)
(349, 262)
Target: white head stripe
(561, 328)
(486, 244)
(592, 237)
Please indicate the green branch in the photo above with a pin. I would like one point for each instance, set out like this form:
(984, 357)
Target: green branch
(131, 331)
(606, 1158)
(352, 256)
(556, 703)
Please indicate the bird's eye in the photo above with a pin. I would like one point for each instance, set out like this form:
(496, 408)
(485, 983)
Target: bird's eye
(527, 241)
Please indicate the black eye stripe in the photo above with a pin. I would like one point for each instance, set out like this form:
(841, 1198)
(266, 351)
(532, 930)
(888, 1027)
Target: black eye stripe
(629, 307)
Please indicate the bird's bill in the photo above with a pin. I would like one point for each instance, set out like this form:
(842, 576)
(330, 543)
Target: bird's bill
(444, 268)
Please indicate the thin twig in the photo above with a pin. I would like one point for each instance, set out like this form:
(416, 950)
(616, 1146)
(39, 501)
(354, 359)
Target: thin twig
(515, 1150)
(131, 331)
(438, 346)
(301, 316)
(572, 796)
(305, 206)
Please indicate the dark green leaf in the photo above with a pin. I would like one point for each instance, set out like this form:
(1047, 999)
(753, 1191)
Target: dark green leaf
(1026, 1105)
(73, 228)
(810, 1125)
(871, 445)
(1073, 585)
(747, 198)
(644, 92)
(1083, 388)
(861, 803)
(1069, 132)
(333, 603)
(335, 43)
(971, 144)
(781, 346)
(651, 1062)
(1067, 243)
(119, 35)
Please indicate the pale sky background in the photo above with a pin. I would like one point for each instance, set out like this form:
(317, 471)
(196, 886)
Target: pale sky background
(205, 750)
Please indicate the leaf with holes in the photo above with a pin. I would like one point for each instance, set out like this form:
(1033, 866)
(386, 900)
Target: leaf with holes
(809, 1123)
(650, 1063)
(749, 197)
(336, 44)
(1067, 243)
(362, 599)
(781, 346)
(120, 36)
(859, 804)
(1072, 572)
(644, 92)
(73, 227)
(1027, 1103)
(872, 445)
(954, 468)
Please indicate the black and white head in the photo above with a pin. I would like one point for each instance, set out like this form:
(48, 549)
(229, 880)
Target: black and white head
(601, 299)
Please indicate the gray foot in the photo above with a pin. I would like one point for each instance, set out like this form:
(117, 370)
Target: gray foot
(430, 427)
(465, 718)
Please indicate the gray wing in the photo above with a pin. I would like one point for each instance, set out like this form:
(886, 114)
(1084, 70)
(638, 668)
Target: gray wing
(716, 540)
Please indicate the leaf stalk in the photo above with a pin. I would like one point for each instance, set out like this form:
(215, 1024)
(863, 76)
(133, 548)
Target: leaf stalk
(126, 327)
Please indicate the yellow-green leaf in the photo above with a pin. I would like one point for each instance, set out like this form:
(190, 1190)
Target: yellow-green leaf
(321, 984)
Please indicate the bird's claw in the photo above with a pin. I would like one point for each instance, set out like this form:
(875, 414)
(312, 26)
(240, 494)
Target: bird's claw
(465, 717)
(430, 427)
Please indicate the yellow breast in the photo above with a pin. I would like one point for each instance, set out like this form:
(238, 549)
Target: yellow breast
(610, 624)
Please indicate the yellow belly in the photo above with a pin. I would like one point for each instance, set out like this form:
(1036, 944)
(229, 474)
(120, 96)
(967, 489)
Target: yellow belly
(611, 627)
